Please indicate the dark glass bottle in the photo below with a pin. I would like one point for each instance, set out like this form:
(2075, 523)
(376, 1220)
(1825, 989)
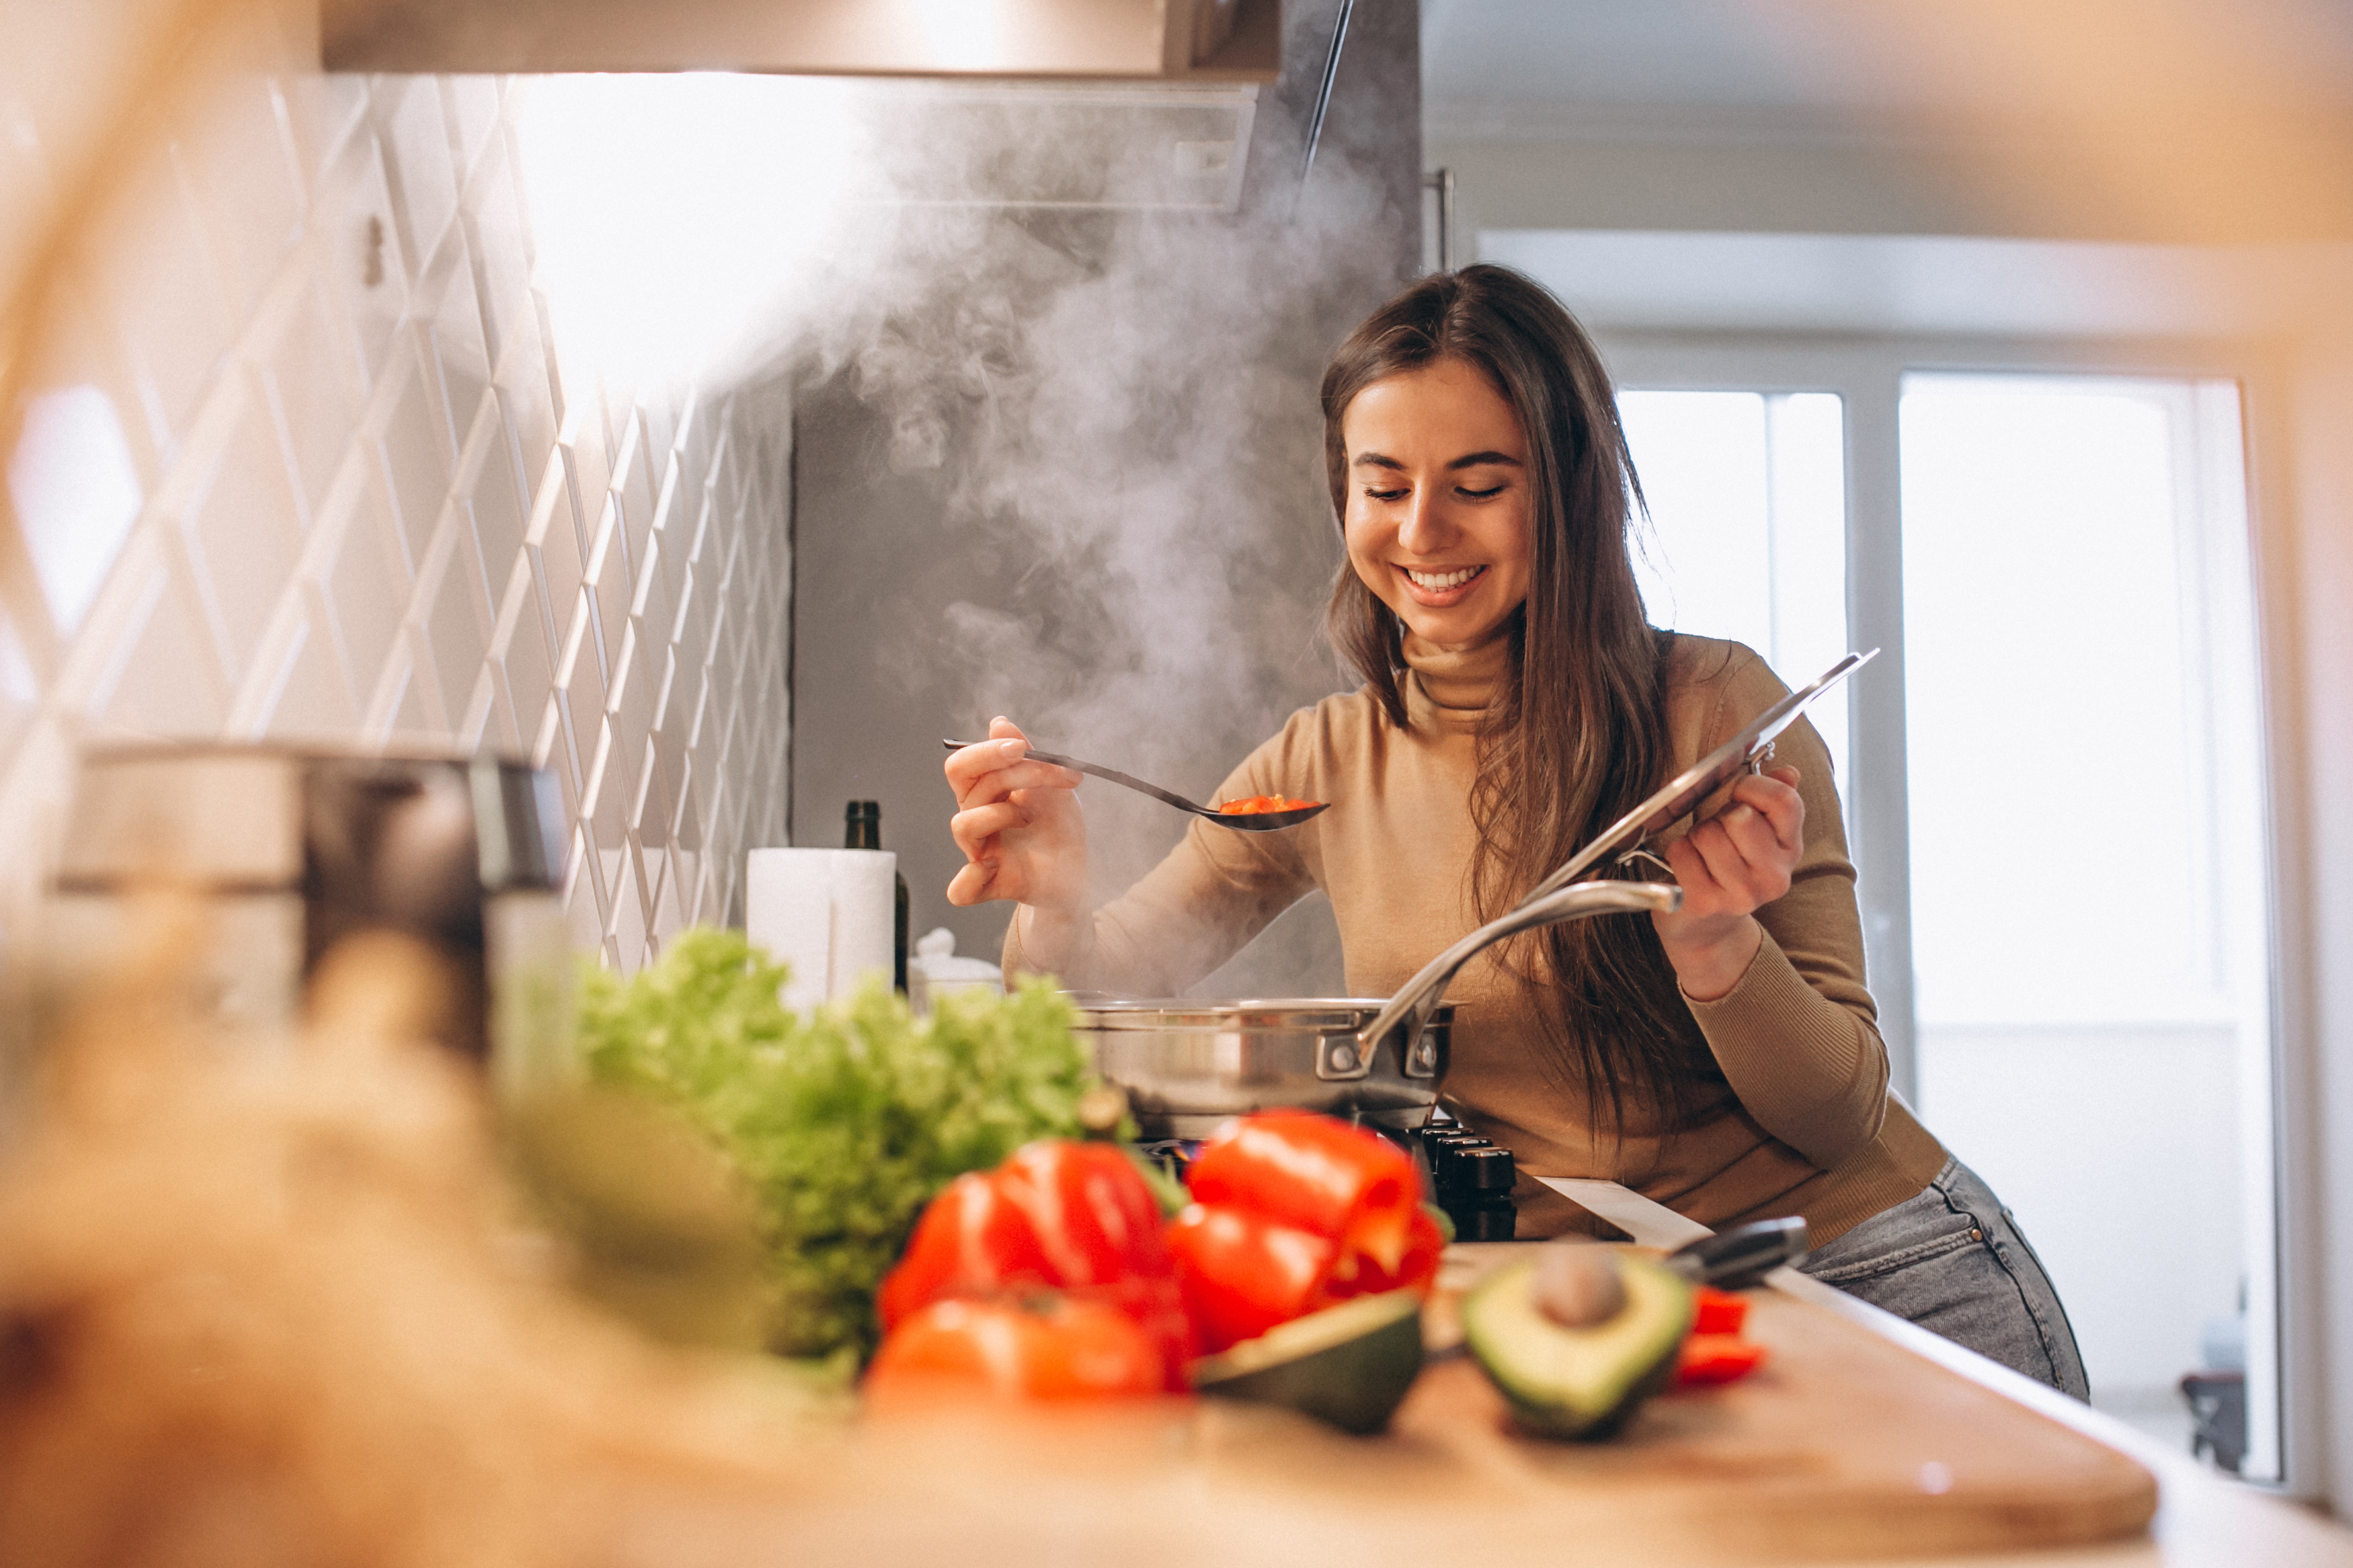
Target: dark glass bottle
(865, 832)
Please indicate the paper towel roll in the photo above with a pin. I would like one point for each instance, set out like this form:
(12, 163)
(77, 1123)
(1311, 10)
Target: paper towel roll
(826, 913)
(865, 918)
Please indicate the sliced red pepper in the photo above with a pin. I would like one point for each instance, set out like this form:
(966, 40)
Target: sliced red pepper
(1073, 1216)
(1425, 1242)
(1716, 1358)
(1716, 1312)
(1316, 1175)
(1242, 1272)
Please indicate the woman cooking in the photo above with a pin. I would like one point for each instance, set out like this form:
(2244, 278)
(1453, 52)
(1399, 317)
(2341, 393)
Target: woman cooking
(1723, 1059)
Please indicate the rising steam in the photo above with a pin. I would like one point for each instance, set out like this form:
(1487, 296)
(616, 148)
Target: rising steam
(1113, 412)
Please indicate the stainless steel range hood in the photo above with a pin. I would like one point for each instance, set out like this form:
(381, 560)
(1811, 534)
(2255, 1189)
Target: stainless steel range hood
(1141, 146)
(1167, 40)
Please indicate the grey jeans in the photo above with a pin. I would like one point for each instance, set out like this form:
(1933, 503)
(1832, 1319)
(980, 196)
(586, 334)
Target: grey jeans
(1953, 1261)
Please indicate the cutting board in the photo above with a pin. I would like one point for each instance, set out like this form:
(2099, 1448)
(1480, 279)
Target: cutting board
(1842, 1446)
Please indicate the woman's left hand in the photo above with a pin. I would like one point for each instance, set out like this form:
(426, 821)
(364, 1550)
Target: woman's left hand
(1730, 866)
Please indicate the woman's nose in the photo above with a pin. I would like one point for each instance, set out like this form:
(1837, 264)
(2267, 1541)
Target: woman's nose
(1423, 529)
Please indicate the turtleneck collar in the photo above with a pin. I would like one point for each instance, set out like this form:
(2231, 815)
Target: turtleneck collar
(1451, 689)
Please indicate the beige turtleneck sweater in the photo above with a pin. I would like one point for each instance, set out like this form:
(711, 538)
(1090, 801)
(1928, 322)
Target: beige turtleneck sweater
(1790, 1111)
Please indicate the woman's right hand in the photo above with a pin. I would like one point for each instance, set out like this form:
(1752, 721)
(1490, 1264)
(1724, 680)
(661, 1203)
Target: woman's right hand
(1019, 827)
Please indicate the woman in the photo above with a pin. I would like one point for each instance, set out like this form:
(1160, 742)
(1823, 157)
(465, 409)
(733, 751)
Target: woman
(1723, 1059)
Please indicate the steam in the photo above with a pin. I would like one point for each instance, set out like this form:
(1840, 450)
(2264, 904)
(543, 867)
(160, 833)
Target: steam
(1118, 414)
(1115, 412)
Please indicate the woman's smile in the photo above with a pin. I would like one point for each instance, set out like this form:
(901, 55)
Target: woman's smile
(1439, 587)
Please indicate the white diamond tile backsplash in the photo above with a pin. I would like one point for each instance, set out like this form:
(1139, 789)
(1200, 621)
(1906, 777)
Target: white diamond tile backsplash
(376, 505)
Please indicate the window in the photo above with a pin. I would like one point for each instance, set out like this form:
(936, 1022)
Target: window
(2056, 792)
(1746, 494)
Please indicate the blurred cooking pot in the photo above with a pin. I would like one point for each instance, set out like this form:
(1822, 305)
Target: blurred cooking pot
(290, 851)
(1187, 1066)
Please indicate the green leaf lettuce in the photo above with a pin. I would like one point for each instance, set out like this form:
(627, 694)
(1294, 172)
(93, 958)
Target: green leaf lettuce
(843, 1123)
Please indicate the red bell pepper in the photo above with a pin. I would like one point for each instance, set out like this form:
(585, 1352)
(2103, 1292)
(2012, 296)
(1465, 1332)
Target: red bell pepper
(1071, 1217)
(1417, 1265)
(1243, 1273)
(970, 1241)
(1716, 1358)
(1100, 1225)
(1716, 1312)
(1321, 1175)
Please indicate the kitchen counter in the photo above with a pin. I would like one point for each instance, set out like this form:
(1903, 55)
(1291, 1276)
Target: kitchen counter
(2204, 1518)
(1699, 1482)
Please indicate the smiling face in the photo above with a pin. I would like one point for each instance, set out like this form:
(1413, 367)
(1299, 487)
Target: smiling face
(1437, 499)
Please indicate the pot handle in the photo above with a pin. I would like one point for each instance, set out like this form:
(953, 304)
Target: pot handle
(1412, 1005)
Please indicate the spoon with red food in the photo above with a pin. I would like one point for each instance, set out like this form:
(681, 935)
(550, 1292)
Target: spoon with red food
(1255, 814)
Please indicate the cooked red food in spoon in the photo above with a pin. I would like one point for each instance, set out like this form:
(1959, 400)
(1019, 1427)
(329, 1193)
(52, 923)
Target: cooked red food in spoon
(1253, 806)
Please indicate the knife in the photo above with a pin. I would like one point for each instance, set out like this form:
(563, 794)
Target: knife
(1736, 1260)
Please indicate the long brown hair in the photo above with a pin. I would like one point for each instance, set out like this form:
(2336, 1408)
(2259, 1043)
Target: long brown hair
(1581, 735)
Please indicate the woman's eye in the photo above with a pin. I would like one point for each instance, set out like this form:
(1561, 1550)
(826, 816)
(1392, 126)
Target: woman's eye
(1386, 495)
(1479, 495)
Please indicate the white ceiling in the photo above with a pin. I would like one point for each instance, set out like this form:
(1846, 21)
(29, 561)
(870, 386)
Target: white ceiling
(1490, 64)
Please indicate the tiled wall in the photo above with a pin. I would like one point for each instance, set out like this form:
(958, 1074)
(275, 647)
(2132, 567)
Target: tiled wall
(312, 466)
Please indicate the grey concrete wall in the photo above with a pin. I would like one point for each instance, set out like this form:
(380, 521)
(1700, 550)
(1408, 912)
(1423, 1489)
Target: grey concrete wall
(1075, 478)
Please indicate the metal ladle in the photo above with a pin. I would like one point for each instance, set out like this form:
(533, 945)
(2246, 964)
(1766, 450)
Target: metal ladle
(1239, 821)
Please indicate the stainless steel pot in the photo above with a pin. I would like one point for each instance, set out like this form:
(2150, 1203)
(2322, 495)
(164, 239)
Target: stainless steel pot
(290, 849)
(1187, 1066)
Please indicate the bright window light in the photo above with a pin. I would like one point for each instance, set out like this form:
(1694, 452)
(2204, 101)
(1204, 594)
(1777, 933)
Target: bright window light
(1747, 500)
(2043, 627)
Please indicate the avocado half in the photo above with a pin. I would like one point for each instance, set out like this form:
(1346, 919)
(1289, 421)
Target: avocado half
(1578, 1383)
(1349, 1364)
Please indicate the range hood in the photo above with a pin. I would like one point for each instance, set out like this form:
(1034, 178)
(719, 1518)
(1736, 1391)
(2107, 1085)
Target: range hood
(1142, 146)
(1194, 41)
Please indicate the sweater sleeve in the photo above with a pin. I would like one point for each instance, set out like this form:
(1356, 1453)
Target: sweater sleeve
(1797, 1038)
(1207, 899)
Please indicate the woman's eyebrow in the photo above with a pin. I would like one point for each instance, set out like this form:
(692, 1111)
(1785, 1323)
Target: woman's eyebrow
(1383, 460)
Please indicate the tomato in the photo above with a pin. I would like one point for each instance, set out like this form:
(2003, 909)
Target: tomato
(1716, 1358)
(1046, 1347)
(1071, 1217)
(1317, 1175)
(1717, 1311)
(1243, 1273)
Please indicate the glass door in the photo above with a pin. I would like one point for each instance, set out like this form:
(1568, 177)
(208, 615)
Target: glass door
(2089, 907)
